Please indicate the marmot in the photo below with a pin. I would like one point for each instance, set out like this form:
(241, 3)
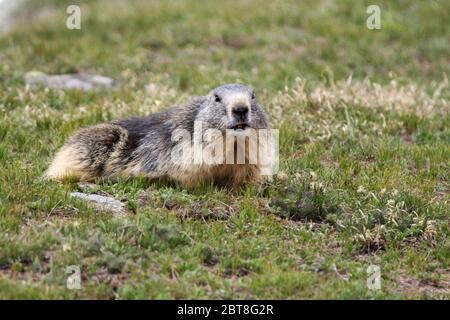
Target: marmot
(145, 146)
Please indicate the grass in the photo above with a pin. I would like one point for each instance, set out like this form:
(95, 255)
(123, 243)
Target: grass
(364, 152)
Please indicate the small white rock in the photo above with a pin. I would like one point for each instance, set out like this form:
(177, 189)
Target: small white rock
(77, 81)
(102, 202)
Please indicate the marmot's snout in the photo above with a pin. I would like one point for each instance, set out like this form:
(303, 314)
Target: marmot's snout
(240, 116)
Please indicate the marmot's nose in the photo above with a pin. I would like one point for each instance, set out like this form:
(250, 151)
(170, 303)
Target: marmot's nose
(240, 112)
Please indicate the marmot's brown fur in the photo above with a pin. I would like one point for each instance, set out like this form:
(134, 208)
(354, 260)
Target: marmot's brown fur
(144, 146)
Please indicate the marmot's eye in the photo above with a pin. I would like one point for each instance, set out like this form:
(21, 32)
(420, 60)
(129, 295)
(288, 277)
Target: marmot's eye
(217, 98)
(253, 96)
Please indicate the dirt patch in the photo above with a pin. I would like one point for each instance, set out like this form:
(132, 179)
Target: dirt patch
(25, 271)
(239, 272)
(103, 276)
(429, 287)
(203, 210)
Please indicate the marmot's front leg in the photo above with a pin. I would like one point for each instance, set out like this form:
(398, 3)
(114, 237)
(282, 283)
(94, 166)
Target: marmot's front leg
(92, 152)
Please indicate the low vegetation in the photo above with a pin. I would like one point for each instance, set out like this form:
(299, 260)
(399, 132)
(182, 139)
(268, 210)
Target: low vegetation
(364, 120)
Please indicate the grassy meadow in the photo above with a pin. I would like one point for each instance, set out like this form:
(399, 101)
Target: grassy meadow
(364, 120)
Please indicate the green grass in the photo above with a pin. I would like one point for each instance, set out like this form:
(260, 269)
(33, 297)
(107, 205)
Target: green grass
(364, 164)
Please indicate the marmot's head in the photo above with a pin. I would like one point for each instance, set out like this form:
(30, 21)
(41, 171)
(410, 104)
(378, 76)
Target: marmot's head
(232, 106)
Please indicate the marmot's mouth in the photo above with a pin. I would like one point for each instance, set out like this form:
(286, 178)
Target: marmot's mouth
(240, 126)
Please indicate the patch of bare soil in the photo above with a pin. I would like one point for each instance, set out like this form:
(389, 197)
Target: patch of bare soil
(102, 275)
(25, 271)
(433, 288)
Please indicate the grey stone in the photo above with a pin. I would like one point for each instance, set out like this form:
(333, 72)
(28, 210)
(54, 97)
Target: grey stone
(102, 202)
(7, 12)
(78, 81)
